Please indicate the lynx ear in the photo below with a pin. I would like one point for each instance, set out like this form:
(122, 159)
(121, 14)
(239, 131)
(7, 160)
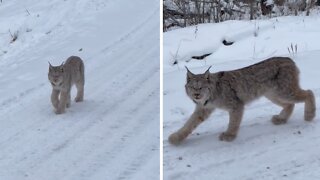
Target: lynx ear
(50, 66)
(61, 66)
(189, 74)
(207, 73)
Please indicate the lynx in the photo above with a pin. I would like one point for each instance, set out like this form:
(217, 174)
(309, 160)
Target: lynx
(275, 78)
(62, 78)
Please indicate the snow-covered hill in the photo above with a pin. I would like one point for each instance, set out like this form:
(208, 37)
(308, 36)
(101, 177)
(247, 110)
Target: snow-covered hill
(114, 133)
(261, 150)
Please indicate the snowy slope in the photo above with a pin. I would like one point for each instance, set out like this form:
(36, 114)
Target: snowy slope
(114, 133)
(261, 150)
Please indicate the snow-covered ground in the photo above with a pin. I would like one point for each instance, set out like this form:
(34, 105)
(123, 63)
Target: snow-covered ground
(261, 150)
(114, 133)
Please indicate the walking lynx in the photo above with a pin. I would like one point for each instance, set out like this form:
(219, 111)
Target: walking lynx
(276, 78)
(62, 78)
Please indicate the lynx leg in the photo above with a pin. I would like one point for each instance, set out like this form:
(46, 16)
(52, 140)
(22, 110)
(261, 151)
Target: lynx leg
(68, 100)
(55, 98)
(199, 115)
(62, 103)
(235, 117)
(307, 97)
(309, 106)
(80, 92)
(285, 113)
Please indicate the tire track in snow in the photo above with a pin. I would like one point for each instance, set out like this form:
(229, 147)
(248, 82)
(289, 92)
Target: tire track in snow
(112, 134)
(134, 138)
(113, 72)
(137, 82)
(58, 136)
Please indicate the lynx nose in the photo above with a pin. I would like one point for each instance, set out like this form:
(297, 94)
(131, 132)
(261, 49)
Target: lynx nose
(196, 95)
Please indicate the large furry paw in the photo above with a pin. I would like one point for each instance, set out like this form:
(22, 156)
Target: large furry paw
(67, 105)
(78, 99)
(227, 137)
(59, 111)
(175, 139)
(309, 115)
(276, 120)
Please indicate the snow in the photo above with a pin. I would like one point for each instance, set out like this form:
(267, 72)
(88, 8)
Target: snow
(114, 133)
(261, 150)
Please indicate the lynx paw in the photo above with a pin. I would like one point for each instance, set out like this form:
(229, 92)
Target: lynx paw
(59, 111)
(276, 120)
(175, 139)
(309, 115)
(78, 99)
(227, 137)
(67, 105)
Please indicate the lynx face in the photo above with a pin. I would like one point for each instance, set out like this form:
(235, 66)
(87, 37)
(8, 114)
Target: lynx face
(56, 74)
(197, 86)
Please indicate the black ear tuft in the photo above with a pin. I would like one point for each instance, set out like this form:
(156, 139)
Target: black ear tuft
(207, 73)
(208, 70)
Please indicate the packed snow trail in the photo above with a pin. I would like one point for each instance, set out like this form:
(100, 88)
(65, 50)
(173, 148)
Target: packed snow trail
(114, 133)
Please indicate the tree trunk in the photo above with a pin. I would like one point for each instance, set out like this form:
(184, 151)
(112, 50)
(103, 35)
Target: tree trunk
(251, 9)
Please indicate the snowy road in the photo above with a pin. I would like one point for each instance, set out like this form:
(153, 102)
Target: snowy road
(114, 133)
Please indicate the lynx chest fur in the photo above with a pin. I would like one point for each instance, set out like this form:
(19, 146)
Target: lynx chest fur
(62, 78)
(276, 78)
